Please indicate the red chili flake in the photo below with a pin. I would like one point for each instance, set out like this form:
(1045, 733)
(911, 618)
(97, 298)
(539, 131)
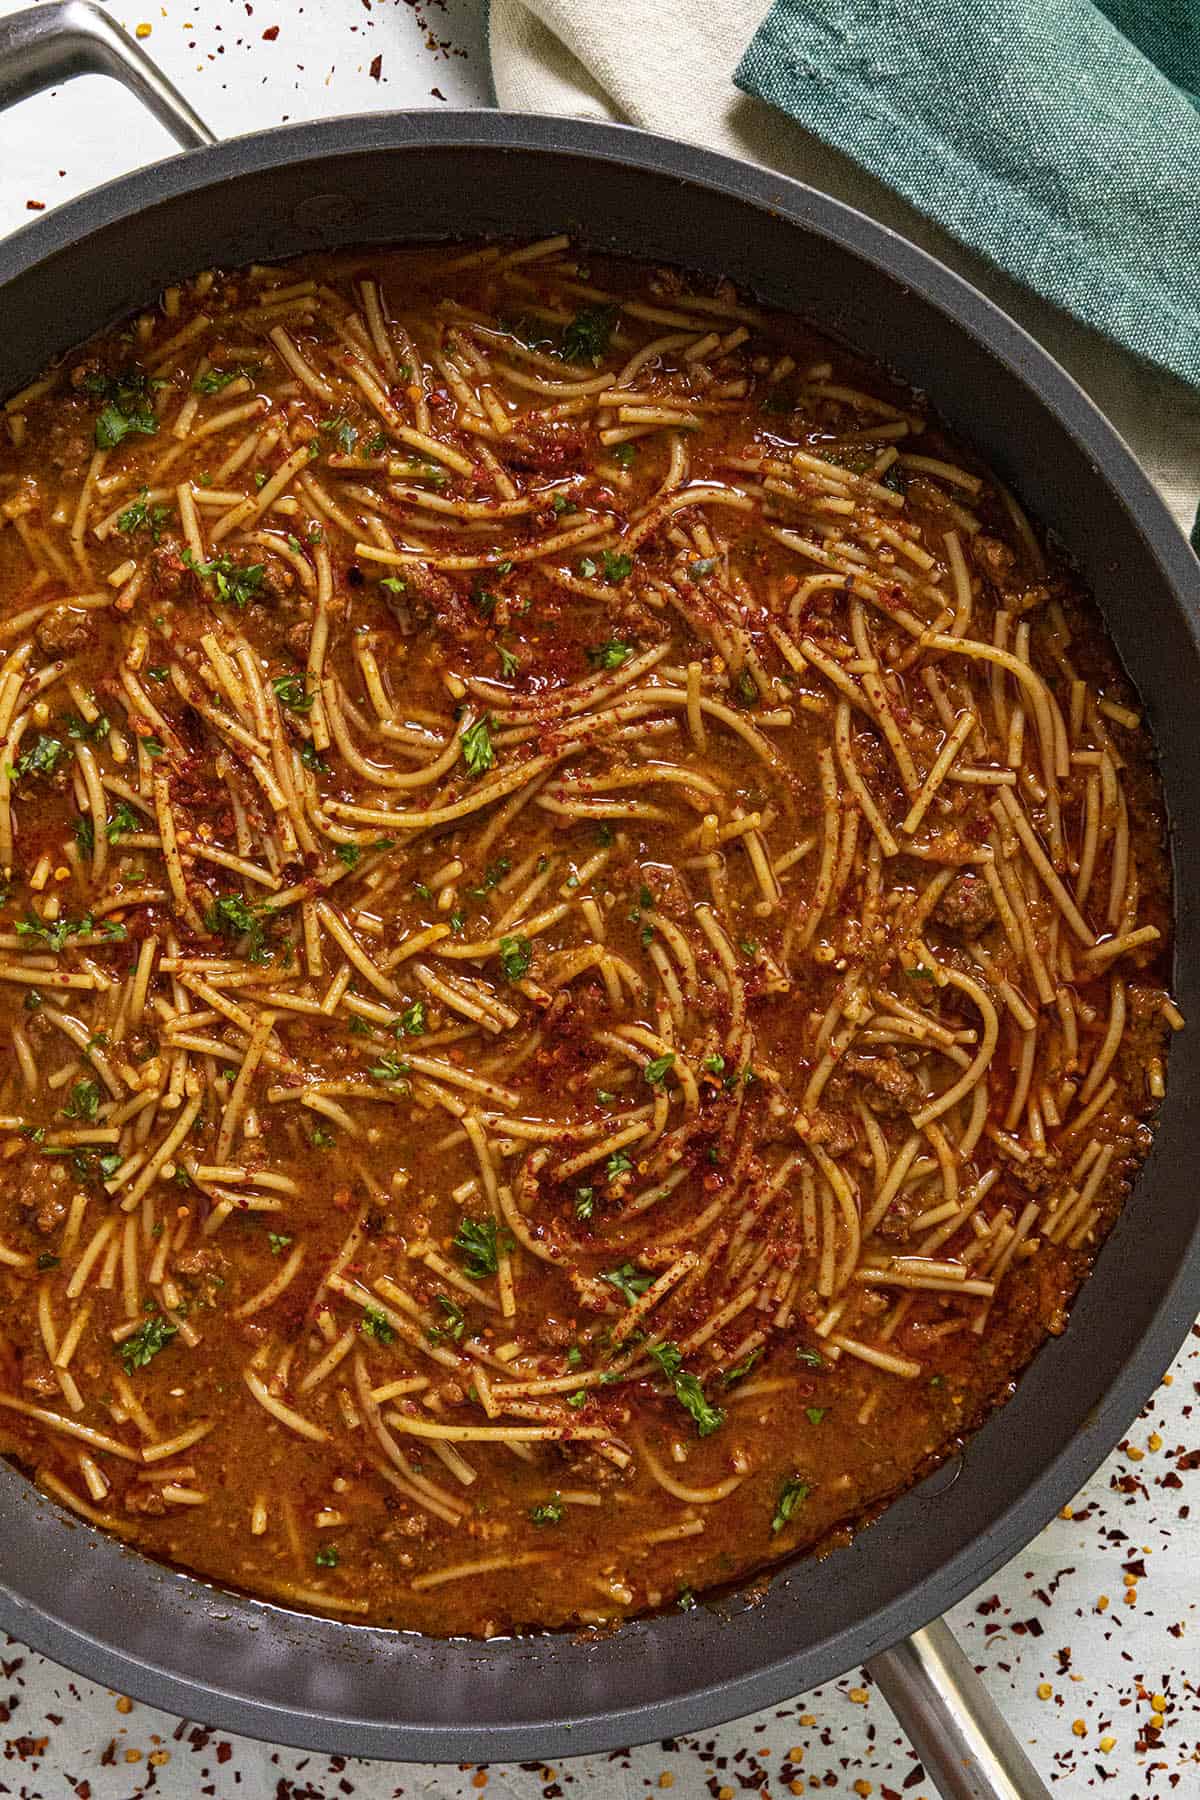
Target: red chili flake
(35, 206)
(270, 34)
(437, 93)
(376, 68)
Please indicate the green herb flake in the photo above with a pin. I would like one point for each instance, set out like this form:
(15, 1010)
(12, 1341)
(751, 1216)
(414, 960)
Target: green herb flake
(516, 954)
(688, 1390)
(327, 1557)
(550, 1512)
(41, 759)
(629, 1283)
(292, 691)
(278, 1241)
(455, 1321)
(233, 584)
(84, 1102)
(793, 1494)
(342, 432)
(143, 1345)
(587, 337)
(140, 515)
(585, 1202)
(812, 1357)
(232, 916)
(815, 1414)
(127, 409)
(389, 1069)
(617, 1165)
(411, 1022)
(655, 1073)
(377, 1325)
(479, 1247)
(476, 746)
(610, 655)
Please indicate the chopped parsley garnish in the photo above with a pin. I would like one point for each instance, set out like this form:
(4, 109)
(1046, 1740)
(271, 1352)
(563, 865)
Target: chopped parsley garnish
(127, 410)
(278, 1241)
(747, 689)
(491, 877)
(627, 1281)
(617, 1165)
(139, 515)
(703, 565)
(342, 432)
(321, 1138)
(388, 1069)
(41, 759)
(588, 335)
(609, 655)
(479, 1246)
(455, 1321)
(484, 602)
(574, 1356)
(815, 1414)
(585, 1202)
(213, 380)
(234, 584)
(550, 1512)
(509, 664)
(578, 1398)
(616, 566)
(685, 1600)
(85, 835)
(793, 1494)
(812, 1357)
(742, 1369)
(377, 1325)
(310, 759)
(144, 1344)
(477, 751)
(688, 1390)
(411, 1022)
(655, 1073)
(95, 733)
(47, 1260)
(713, 1065)
(328, 1557)
(562, 503)
(624, 454)
(55, 932)
(232, 916)
(292, 691)
(123, 819)
(516, 954)
(84, 1102)
(350, 854)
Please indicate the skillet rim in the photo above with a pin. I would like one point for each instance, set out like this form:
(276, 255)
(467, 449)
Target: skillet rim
(35, 1620)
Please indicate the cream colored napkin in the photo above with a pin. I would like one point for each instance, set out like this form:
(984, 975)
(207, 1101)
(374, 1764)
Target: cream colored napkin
(667, 65)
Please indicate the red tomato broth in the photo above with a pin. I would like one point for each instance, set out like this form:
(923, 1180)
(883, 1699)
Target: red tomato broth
(539, 876)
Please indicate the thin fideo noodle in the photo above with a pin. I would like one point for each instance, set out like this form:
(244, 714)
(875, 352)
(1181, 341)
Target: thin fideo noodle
(582, 935)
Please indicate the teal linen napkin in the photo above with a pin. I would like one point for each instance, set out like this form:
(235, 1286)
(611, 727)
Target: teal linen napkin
(1060, 140)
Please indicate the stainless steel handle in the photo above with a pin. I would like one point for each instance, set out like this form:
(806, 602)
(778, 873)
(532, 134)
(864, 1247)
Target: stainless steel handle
(48, 44)
(952, 1721)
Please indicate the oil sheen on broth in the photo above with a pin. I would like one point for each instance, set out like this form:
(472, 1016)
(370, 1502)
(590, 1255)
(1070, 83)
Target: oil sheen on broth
(581, 960)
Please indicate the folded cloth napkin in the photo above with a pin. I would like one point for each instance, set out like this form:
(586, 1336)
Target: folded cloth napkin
(1048, 149)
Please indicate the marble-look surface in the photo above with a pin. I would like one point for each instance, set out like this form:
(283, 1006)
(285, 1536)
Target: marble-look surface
(1087, 1640)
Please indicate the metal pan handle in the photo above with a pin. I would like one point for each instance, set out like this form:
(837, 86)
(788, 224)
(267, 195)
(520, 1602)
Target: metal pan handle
(952, 1721)
(48, 44)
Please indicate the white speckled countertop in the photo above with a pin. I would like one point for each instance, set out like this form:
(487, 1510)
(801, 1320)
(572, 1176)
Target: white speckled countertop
(1087, 1640)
